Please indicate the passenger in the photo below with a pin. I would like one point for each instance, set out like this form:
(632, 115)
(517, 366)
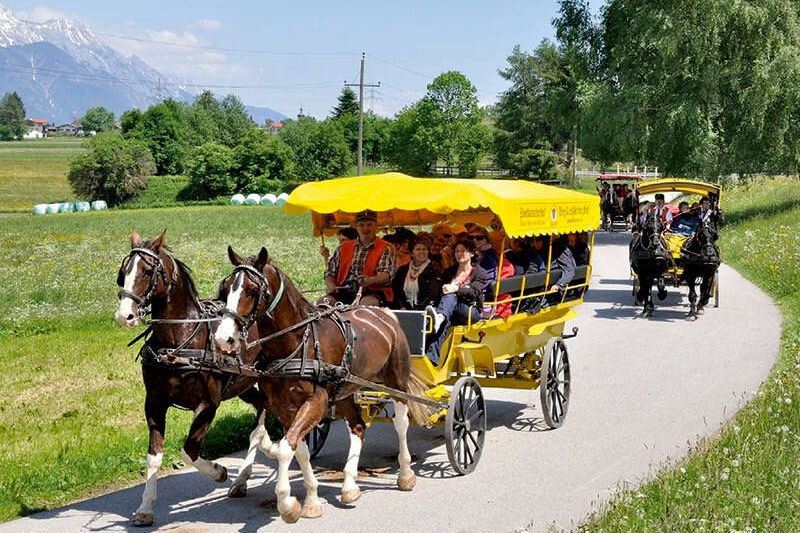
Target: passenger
(578, 246)
(366, 263)
(345, 234)
(709, 213)
(446, 257)
(401, 241)
(487, 256)
(686, 222)
(442, 233)
(563, 260)
(501, 310)
(519, 255)
(417, 284)
(662, 211)
(462, 295)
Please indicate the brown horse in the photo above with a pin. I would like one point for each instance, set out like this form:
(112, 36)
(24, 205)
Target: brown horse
(366, 340)
(151, 277)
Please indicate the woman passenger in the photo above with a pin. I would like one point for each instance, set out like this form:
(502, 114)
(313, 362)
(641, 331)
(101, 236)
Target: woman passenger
(417, 284)
(462, 295)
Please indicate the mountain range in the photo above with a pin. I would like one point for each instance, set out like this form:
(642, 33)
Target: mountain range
(60, 68)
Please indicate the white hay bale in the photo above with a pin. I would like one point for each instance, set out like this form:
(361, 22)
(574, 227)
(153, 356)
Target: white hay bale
(281, 199)
(82, 207)
(40, 209)
(252, 199)
(268, 199)
(99, 205)
(237, 199)
(66, 207)
(53, 208)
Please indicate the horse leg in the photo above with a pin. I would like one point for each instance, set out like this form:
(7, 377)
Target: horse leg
(308, 415)
(156, 414)
(690, 281)
(205, 414)
(406, 480)
(705, 290)
(646, 295)
(348, 410)
(239, 487)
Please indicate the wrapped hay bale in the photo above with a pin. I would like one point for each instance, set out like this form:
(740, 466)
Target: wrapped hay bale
(252, 199)
(66, 207)
(40, 209)
(53, 208)
(82, 207)
(99, 205)
(281, 198)
(268, 199)
(237, 199)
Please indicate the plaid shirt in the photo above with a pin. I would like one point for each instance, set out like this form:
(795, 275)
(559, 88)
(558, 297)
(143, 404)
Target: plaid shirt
(385, 264)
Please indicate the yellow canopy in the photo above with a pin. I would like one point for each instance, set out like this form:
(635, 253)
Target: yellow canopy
(678, 185)
(523, 207)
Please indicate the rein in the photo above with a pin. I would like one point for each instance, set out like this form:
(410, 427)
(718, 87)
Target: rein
(143, 302)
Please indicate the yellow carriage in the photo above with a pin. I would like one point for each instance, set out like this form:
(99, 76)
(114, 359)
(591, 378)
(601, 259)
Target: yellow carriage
(686, 189)
(522, 351)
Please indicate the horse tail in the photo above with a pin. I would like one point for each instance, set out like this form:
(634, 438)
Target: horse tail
(420, 413)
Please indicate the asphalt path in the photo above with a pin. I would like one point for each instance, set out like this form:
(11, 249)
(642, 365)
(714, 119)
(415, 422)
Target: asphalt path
(643, 391)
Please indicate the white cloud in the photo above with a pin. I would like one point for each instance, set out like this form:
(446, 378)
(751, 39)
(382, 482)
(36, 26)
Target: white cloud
(206, 24)
(170, 37)
(41, 14)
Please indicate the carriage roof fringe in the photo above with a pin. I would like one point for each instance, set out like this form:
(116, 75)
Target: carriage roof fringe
(524, 208)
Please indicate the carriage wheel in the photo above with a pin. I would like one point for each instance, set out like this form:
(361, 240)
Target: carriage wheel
(554, 388)
(317, 436)
(465, 425)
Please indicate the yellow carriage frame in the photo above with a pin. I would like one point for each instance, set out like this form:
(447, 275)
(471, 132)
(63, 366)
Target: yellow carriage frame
(498, 352)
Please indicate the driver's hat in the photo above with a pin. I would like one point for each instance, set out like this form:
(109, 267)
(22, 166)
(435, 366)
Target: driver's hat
(366, 214)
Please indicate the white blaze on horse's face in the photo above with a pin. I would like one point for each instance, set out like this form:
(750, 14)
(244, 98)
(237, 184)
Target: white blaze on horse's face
(127, 313)
(227, 335)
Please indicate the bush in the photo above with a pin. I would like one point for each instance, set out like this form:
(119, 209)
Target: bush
(260, 158)
(320, 151)
(209, 170)
(531, 162)
(114, 169)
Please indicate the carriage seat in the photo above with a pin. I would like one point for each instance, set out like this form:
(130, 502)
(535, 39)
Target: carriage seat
(535, 283)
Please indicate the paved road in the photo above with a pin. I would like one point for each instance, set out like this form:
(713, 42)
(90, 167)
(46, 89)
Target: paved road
(642, 391)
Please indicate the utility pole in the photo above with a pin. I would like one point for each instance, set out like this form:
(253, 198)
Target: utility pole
(361, 86)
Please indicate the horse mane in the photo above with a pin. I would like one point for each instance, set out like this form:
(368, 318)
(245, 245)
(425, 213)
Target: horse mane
(291, 291)
(183, 270)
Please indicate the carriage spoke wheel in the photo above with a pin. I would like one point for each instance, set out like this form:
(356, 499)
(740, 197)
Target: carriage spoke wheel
(317, 436)
(554, 388)
(465, 425)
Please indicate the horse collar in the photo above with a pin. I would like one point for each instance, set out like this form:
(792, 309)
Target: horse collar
(277, 298)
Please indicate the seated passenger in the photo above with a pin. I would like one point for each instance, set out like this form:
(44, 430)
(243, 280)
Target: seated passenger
(417, 284)
(462, 295)
(502, 310)
(345, 234)
(365, 264)
(401, 241)
(686, 222)
(563, 260)
(579, 248)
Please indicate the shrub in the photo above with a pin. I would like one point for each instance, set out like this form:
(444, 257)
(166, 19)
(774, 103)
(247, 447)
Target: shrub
(259, 158)
(209, 170)
(531, 162)
(114, 169)
(320, 151)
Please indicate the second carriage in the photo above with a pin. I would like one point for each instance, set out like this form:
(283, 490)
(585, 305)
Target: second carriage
(526, 350)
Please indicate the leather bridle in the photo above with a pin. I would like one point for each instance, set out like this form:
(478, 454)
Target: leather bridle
(264, 293)
(158, 272)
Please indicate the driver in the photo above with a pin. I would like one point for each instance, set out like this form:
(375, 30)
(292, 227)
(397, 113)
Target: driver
(686, 221)
(365, 264)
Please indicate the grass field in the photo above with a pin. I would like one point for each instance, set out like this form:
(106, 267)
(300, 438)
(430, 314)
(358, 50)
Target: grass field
(35, 171)
(747, 478)
(71, 419)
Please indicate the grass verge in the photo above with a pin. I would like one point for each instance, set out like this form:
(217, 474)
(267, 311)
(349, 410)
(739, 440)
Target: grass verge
(746, 479)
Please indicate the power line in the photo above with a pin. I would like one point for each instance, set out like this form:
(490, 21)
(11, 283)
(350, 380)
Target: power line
(225, 49)
(400, 67)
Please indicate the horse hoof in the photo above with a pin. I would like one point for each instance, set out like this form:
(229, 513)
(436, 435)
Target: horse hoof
(237, 491)
(349, 496)
(223, 474)
(691, 317)
(141, 519)
(293, 514)
(701, 311)
(407, 483)
(312, 509)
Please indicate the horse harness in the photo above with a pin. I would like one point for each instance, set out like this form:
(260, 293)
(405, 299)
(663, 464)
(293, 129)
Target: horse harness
(159, 272)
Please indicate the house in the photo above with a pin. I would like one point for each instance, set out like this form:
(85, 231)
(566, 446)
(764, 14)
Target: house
(35, 128)
(70, 129)
(274, 127)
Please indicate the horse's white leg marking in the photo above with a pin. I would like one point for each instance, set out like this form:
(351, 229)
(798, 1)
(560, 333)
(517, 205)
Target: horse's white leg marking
(406, 478)
(240, 485)
(267, 447)
(288, 506)
(125, 308)
(312, 507)
(350, 491)
(227, 326)
(149, 495)
(204, 466)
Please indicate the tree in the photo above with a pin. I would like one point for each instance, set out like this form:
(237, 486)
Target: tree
(259, 157)
(114, 169)
(446, 124)
(12, 117)
(347, 104)
(236, 122)
(206, 119)
(209, 169)
(319, 148)
(163, 128)
(98, 120)
(129, 120)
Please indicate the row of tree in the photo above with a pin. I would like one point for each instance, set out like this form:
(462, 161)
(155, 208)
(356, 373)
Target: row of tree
(12, 117)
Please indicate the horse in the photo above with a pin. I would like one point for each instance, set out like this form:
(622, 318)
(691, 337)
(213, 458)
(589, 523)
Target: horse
(151, 277)
(608, 208)
(629, 209)
(649, 259)
(701, 259)
(301, 344)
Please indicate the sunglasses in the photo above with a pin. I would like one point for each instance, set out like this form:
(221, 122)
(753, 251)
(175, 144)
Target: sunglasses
(477, 237)
(447, 235)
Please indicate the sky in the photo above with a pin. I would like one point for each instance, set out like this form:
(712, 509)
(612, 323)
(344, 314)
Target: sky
(299, 53)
